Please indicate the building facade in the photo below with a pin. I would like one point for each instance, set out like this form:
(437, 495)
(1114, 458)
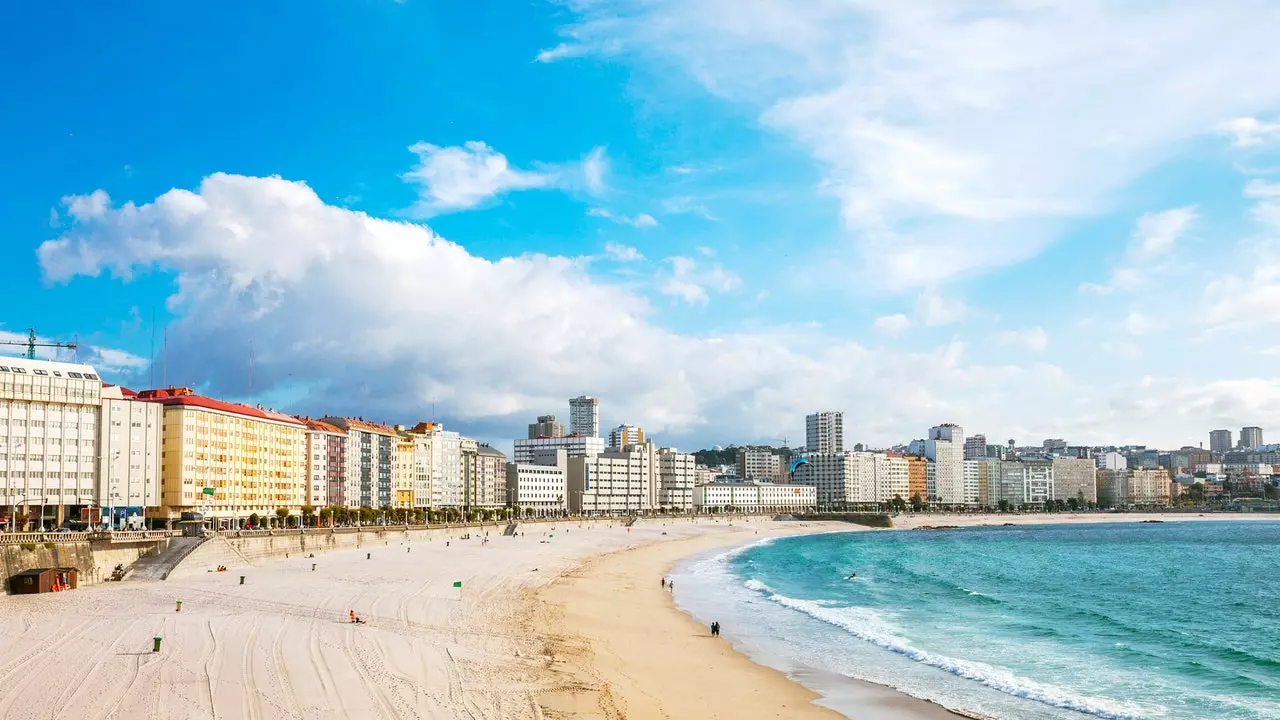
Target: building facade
(945, 447)
(615, 482)
(1111, 460)
(975, 447)
(1250, 438)
(1075, 478)
(917, 477)
(584, 416)
(677, 475)
(546, 427)
(1220, 441)
(1122, 488)
(130, 443)
(573, 445)
(402, 473)
(759, 463)
(369, 455)
(49, 435)
(539, 488)
(824, 432)
(326, 463)
(490, 487)
(754, 497)
(625, 435)
(226, 460)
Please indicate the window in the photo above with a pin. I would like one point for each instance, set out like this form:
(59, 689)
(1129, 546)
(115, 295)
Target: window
(90, 376)
(75, 375)
(41, 372)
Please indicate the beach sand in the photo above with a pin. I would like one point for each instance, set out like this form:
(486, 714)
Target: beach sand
(512, 643)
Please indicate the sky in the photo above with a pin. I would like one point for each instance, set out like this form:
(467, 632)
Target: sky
(1034, 219)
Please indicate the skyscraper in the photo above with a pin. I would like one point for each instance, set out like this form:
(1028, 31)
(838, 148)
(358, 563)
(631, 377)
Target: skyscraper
(824, 432)
(945, 447)
(975, 447)
(624, 435)
(1219, 441)
(1250, 437)
(546, 427)
(584, 416)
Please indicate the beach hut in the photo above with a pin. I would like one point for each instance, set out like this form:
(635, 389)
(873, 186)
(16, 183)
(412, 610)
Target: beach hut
(42, 580)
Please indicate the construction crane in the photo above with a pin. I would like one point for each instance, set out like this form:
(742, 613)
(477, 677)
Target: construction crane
(32, 344)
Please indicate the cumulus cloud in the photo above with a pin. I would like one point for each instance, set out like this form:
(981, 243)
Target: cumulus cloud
(693, 284)
(892, 325)
(355, 314)
(934, 310)
(1034, 339)
(87, 207)
(104, 359)
(952, 133)
(1248, 131)
(641, 220)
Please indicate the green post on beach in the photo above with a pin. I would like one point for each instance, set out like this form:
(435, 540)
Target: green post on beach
(155, 644)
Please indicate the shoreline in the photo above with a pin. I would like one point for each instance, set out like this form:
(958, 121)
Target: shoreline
(627, 650)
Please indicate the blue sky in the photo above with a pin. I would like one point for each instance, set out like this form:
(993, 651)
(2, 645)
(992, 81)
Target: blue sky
(1055, 221)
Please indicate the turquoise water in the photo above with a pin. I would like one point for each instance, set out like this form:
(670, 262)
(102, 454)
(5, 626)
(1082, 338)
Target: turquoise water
(1172, 620)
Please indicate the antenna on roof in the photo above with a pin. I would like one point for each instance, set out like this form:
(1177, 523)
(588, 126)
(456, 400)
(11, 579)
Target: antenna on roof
(165, 358)
(151, 377)
(251, 368)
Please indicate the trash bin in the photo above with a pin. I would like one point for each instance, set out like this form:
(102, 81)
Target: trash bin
(155, 647)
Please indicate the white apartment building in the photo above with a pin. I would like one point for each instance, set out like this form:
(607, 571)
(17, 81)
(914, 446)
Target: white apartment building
(584, 416)
(625, 436)
(832, 475)
(677, 475)
(1111, 460)
(986, 473)
(49, 441)
(855, 477)
(573, 445)
(615, 482)
(824, 432)
(1075, 478)
(446, 487)
(539, 488)
(945, 447)
(130, 442)
(754, 497)
(892, 478)
(490, 486)
(759, 463)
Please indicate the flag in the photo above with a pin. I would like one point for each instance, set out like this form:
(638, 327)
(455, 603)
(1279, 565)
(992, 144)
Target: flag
(457, 583)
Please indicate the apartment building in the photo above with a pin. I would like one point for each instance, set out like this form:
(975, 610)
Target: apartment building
(824, 432)
(615, 482)
(402, 473)
(546, 427)
(573, 445)
(759, 463)
(754, 497)
(584, 416)
(539, 488)
(326, 463)
(1075, 478)
(369, 455)
(226, 460)
(490, 487)
(917, 477)
(1122, 488)
(49, 442)
(945, 447)
(130, 444)
(624, 436)
(677, 476)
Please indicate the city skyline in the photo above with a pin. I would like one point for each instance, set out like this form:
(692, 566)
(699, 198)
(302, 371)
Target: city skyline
(830, 206)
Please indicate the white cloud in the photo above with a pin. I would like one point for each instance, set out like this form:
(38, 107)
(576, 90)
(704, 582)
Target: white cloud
(594, 167)
(956, 128)
(642, 220)
(892, 325)
(1034, 339)
(623, 253)
(693, 284)
(933, 310)
(1151, 243)
(1248, 131)
(87, 207)
(380, 318)
(104, 359)
(561, 52)
(461, 178)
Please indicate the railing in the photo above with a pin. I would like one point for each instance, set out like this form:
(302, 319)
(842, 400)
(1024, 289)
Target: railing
(21, 538)
(134, 535)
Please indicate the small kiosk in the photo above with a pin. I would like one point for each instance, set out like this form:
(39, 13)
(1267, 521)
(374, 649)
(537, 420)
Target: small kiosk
(42, 580)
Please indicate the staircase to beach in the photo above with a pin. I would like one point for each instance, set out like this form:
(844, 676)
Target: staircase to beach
(157, 566)
(511, 529)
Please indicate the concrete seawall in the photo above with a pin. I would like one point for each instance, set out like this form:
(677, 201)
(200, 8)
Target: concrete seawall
(94, 559)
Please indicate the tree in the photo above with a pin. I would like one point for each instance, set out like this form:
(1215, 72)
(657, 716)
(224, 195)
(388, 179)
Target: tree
(282, 516)
(1073, 504)
(1003, 505)
(916, 503)
(367, 515)
(898, 504)
(1271, 493)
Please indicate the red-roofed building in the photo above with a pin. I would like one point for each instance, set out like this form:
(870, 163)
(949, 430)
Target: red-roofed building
(228, 460)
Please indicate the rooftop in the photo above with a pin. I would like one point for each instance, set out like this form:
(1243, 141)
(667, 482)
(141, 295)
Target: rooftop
(185, 397)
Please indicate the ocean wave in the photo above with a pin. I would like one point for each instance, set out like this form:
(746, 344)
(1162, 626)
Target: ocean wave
(758, 586)
(868, 625)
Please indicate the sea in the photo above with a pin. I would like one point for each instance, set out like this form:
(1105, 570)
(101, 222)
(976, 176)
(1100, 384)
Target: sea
(1110, 620)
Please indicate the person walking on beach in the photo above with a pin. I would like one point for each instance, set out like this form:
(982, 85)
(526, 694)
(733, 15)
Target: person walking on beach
(664, 582)
(715, 629)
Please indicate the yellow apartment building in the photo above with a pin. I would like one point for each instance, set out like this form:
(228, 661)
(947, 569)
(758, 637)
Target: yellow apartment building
(228, 461)
(402, 472)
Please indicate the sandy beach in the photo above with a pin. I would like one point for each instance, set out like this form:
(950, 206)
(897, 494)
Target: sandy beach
(565, 622)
